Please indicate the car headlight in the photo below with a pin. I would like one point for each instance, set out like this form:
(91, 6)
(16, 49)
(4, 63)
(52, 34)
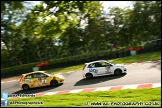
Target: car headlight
(60, 77)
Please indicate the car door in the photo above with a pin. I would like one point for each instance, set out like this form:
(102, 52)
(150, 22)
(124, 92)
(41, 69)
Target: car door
(98, 69)
(109, 68)
(44, 79)
(36, 80)
(102, 68)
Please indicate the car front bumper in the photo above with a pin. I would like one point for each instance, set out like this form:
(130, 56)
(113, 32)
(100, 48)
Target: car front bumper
(125, 70)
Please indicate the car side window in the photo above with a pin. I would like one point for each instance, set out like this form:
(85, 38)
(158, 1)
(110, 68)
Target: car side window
(98, 64)
(28, 76)
(103, 64)
(91, 65)
(36, 75)
(43, 75)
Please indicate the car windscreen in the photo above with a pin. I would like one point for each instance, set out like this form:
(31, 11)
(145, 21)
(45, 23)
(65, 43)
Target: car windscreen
(48, 73)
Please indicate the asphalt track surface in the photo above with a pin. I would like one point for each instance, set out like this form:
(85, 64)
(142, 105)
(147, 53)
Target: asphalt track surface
(137, 73)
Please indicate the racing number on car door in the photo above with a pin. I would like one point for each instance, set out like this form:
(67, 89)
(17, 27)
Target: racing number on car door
(43, 79)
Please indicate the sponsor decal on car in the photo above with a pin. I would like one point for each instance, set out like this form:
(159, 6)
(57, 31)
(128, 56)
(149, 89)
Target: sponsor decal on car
(93, 70)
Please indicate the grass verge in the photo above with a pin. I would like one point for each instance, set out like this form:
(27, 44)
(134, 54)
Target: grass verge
(139, 98)
(129, 59)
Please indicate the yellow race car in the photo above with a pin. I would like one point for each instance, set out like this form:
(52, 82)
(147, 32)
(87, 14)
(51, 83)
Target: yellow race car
(39, 79)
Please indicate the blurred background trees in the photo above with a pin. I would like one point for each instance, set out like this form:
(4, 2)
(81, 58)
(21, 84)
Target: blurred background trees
(56, 29)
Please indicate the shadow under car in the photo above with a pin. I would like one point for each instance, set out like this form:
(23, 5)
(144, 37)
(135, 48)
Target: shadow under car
(99, 79)
(35, 90)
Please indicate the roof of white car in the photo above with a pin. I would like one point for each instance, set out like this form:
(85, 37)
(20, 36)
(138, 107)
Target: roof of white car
(97, 61)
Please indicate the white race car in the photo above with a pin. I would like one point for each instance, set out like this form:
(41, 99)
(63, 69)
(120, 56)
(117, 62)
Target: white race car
(102, 68)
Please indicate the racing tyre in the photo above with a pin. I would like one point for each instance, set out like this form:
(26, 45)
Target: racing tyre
(25, 87)
(89, 76)
(53, 83)
(118, 72)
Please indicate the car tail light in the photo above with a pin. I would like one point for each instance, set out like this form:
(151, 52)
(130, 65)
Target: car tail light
(84, 67)
(21, 78)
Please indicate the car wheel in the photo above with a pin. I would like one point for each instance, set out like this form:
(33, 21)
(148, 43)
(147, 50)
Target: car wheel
(53, 83)
(25, 87)
(118, 72)
(89, 76)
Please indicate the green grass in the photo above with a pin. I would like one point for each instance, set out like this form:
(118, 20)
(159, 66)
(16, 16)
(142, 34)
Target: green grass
(66, 69)
(129, 59)
(145, 95)
(138, 58)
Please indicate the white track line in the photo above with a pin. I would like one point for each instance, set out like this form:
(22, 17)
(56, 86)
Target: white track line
(9, 81)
